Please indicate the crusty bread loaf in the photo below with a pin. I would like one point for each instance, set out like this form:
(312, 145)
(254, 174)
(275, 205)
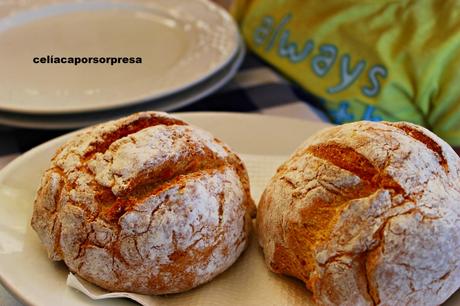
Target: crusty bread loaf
(367, 214)
(146, 204)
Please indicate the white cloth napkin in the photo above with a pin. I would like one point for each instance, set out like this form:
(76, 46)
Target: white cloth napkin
(247, 282)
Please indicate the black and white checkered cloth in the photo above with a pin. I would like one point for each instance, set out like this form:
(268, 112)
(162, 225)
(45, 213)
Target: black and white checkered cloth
(256, 88)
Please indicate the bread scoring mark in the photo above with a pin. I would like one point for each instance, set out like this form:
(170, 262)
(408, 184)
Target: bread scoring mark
(117, 209)
(221, 197)
(197, 159)
(371, 284)
(349, 159)
(243, 238)
(113, 207)
(319, 218)
(128, 128)
(289, 182)
(194, 161)
(423, 138)
(371, 288)
(235, 161)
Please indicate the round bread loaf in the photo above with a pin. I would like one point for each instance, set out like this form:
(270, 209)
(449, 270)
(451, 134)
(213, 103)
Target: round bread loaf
(145, 204)
(367, 214)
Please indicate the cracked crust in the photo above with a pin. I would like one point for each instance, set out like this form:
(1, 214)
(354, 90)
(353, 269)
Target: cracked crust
(144, 204)
(367, 214)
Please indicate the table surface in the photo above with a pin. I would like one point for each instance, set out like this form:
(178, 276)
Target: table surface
(255, 89)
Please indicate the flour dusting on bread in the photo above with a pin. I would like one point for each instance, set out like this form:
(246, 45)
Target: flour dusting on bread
(367, 214)
(146, 204)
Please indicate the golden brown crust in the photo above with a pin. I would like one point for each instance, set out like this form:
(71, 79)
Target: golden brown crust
(367, 214)
(145, 204)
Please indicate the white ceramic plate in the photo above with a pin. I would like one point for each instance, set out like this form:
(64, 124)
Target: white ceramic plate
(181, 42)
(169, 103)
(24, 267)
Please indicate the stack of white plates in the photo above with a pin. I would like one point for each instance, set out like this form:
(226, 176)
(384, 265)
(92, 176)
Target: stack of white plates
(188, 49)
